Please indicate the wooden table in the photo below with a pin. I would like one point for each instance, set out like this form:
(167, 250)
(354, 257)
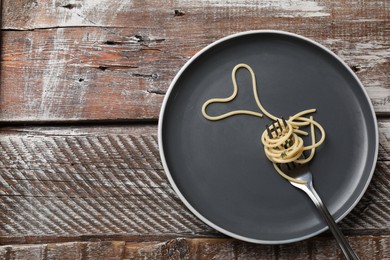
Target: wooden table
(82, 84)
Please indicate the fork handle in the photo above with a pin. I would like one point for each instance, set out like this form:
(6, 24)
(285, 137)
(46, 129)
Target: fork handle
(340, 238)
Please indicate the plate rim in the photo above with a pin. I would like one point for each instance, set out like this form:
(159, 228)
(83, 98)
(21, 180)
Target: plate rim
(166, 168)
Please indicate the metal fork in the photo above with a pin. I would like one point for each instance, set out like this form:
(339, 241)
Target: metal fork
(302, 172)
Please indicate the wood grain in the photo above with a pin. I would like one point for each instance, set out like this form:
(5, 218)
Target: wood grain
(68, 183)
(87, 60)
(70, 190)
(367, 247)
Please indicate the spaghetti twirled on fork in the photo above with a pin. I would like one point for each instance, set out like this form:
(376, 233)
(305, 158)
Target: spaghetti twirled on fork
(282, 140)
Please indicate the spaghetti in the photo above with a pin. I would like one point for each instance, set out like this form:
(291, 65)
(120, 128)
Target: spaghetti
(282, 141)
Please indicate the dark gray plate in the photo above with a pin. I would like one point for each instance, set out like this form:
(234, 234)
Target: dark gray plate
(219, 169)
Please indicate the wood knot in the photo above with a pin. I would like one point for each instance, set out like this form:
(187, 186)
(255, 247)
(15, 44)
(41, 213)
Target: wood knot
(355, 68)
(71, 6)
(178, 13)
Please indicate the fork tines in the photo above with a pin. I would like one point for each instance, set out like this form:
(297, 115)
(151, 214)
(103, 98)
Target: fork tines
(288, 166)
(277, 126)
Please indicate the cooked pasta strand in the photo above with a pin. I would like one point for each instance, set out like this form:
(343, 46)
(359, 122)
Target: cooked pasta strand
(285, 145)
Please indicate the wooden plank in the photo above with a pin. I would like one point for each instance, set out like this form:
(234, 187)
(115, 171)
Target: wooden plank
(75, 250)
(77, 74)
(367, 247)
(61, 13)
(89, 60)
(69, 183)
(384, 140)
(65, 184)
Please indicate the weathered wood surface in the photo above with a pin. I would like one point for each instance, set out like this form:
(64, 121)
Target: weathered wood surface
(98, 191)
(92, 60)
(68, 183)
(372, 248)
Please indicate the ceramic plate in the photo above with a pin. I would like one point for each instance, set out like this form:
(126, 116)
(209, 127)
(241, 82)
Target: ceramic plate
(219, 169)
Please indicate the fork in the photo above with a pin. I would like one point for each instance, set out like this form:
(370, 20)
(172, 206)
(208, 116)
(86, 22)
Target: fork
(302, 172)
